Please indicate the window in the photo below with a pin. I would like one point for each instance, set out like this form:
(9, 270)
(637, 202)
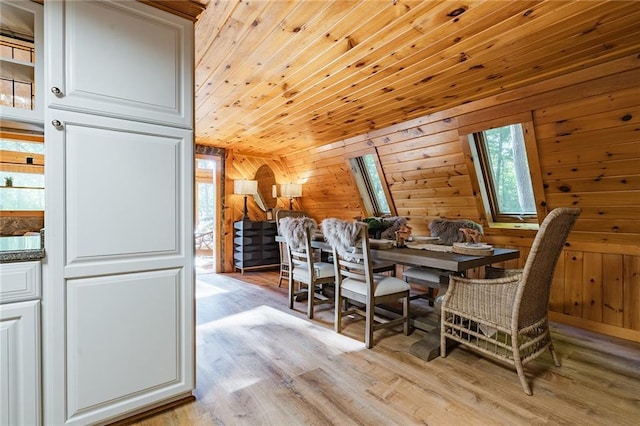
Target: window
(21, 174)
(367, 171)
(502, 167)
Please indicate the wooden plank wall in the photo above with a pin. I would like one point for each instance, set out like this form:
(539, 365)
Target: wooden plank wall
(245, 167)
(587, 126)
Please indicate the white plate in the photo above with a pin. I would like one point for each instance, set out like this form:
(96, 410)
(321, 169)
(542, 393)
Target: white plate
(473, 246)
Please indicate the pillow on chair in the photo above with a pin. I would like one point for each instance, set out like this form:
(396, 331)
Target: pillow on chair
(293, 230)
(449, 230)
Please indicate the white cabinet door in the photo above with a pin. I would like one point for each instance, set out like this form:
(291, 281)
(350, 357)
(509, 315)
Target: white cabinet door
(118, 319)
(21, 67)
(121, 59)
(20, 281)
(20, 366)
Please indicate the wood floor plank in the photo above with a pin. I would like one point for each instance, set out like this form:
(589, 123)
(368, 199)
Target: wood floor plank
(259, 363)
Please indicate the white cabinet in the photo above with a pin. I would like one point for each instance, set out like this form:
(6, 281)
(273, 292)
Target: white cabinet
(21, 61)
(121, 59)
(20, 402)
(20, 281)
(119, 267)
(118, 295)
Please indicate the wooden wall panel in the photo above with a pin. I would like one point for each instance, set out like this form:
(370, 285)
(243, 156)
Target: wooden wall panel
(592, 287)
(573, 268)
(612, 289)
(632, 292)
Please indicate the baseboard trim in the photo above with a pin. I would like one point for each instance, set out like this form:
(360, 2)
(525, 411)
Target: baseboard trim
(154, 410)
(598, 327)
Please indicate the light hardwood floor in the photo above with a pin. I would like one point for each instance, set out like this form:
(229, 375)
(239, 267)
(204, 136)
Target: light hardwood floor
(259, 363)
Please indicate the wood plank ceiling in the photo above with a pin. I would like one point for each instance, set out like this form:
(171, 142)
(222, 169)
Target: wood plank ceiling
(280, 76)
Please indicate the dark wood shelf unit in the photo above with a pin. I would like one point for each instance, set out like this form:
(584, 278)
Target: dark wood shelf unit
(255, 246)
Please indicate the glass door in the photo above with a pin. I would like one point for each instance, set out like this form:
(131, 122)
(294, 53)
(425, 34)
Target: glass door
(206, 239)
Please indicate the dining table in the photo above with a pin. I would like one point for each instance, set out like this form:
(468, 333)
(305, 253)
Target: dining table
(428, 347)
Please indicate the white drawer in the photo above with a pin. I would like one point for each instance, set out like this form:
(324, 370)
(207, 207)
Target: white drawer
(20, 281)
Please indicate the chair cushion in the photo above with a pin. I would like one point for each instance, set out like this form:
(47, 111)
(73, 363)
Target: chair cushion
(383, 285)
(322, 270)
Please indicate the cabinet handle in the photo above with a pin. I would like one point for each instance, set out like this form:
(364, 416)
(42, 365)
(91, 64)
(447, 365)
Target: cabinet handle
(56, 91)
(57, 124)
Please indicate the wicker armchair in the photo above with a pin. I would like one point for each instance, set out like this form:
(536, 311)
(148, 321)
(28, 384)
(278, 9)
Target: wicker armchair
(506, 317)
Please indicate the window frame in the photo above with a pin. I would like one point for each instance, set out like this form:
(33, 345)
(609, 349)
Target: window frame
(479, 176)
(366, 195)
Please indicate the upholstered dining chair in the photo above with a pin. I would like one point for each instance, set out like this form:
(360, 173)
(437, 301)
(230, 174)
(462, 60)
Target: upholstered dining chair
(504, 316)
(284, 256)
(304, 270)
(358, 290)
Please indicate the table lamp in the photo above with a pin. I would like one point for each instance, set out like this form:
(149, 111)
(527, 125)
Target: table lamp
(245, 187)
(291, 191)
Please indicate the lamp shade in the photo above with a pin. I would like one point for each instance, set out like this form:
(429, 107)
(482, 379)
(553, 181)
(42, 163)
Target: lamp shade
(245, 187)
(291, 190)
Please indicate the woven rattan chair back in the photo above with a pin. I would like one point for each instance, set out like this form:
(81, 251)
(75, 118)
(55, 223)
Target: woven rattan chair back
(538, 271)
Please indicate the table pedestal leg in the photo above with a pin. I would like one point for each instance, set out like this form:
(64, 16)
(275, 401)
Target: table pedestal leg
(428, 347)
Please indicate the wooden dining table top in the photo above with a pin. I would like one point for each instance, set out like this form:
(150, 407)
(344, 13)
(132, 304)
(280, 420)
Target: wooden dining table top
(431, 259)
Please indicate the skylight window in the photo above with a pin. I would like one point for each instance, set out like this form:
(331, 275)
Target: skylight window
(505, 171)
(373, 191)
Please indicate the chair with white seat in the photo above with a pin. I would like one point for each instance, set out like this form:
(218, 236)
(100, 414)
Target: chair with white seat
(356, 282)
(304, 270)
(284, 256)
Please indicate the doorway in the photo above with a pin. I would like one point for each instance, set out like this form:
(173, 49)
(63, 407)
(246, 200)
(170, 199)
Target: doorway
(208, 172)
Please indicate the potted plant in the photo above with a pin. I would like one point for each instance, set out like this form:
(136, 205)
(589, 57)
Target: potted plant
(8, 181)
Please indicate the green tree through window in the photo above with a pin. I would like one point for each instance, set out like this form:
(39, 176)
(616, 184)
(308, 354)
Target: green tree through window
(503, 161)
(366, 173)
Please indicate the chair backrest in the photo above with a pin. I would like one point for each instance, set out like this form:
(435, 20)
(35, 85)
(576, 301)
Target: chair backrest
(279, 214)
(532, 297)
(297, 232)
(351, 251)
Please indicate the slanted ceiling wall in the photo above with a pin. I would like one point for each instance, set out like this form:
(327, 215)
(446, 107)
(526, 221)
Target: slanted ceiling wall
(587, 126)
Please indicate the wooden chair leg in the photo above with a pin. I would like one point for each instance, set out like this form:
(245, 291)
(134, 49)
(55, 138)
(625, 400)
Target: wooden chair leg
(311, 300)
(337, 323)
(291, 292)
(368, 327)
(406, 313)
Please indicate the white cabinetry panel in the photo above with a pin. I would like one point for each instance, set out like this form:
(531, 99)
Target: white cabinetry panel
(123, 337)
(121, 59)
(19, 281)
(20, 363)
(122, 190)
(118, 302)
(101, 193)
